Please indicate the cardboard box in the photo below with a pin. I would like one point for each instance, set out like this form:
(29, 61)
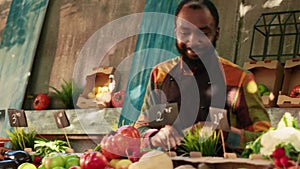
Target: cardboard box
(269, 73)
(99, 78)
(291, 79)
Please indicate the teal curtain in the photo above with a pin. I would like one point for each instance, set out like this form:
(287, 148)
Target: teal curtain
(17, 51)
(156, 43)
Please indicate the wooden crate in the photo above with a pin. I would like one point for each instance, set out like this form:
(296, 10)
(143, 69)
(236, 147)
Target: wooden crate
(269, 73)
(291, 79)
(98, 77)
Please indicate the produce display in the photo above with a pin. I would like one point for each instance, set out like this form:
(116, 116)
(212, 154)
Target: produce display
(280, 144)
(121, 149)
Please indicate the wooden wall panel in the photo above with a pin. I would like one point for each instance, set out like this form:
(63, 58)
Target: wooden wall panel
(4, 10)
(78, 20)
(68, 26)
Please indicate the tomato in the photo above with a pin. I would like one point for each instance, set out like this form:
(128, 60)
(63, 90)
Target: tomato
(41, 102)
(93, 160)
(295, 92)
(123, 143)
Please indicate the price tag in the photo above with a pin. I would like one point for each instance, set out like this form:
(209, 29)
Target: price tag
(61, 119)
(2, 115)
(219, 118)
(163, 114)
(17, 118)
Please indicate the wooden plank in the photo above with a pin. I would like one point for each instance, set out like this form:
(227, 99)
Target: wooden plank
(4, 10)
(82, 121)
(17, 51)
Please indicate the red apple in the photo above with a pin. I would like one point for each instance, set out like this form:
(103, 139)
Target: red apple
(124, 142)
(93, 160)
(118, 98)
(41, 102)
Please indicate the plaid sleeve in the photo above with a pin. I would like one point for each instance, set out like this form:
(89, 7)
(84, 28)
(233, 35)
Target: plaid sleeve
(251, 114)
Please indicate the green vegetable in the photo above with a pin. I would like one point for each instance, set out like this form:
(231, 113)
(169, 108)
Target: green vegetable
(200, 139)
(21, 139)
(44, 147)
(66, 93)
(285, 126)
(252, 147)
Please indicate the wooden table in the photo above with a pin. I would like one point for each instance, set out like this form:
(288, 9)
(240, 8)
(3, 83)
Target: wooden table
(222, 163)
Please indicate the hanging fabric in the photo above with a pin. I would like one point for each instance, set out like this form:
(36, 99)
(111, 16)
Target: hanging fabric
(155, 44)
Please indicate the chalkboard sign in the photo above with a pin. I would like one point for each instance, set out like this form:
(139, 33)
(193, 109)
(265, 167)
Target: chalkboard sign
(61, 119)
(17, 118)
(163, 114)
(2, 114)
(219, 118)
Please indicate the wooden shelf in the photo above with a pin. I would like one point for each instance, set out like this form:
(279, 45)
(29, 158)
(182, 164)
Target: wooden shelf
(82, 121)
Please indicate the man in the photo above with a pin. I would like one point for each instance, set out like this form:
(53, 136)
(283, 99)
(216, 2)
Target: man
(173, 81)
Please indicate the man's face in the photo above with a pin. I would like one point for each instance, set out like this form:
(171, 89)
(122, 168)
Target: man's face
(195, 32)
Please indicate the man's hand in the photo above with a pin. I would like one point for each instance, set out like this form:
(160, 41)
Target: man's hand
(166, 138)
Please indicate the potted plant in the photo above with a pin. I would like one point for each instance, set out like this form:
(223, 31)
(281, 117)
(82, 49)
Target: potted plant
(21, 139)
(67, 93)
(200, 139)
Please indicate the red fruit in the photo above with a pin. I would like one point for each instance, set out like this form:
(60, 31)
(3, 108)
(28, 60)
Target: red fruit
(118, 98)
(285, 161)
(37, 160)
(277, 162)
(278, 153)
(108, 147)
(41, 102)
(123, 143)
(93, 160)
(129, 131)
(295, 92)
(108, 167)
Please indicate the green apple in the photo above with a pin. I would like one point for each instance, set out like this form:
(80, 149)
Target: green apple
(27, 166)
(42, 166)
(74, 167)
(123, 164)
(59, 168)
(54, 161)
(262, 88)
(267, 93)
(113, 162)
(72, 162)
(66, 157)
